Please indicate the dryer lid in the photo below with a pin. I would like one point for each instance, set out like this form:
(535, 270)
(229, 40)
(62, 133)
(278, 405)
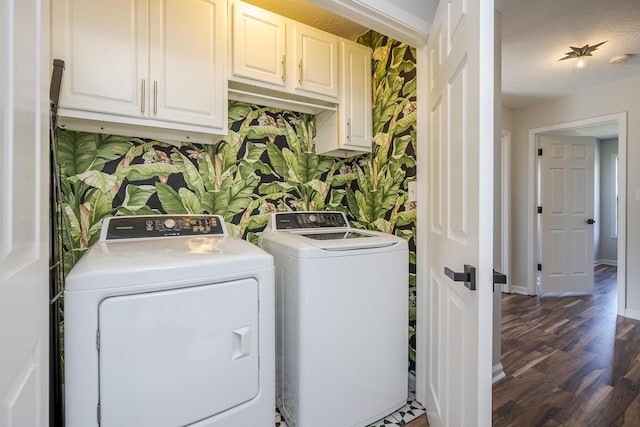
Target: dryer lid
(138, 262)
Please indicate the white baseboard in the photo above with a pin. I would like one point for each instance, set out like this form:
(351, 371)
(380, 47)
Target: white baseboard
(605, 262)
(497, 373)
(632, 314)
(519, 290)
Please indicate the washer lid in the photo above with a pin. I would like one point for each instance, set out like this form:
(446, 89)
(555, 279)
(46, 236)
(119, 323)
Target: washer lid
(346, 239)
(336, 235)
(328, 243)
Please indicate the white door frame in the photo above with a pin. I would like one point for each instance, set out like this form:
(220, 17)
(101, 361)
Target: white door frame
(422, 176)
(505, 216)
(532, 224)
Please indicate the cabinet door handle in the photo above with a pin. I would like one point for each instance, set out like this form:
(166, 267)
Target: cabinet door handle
(300, 72)
(142, 101)
(155, 96)
(284, 67)
(349, 129)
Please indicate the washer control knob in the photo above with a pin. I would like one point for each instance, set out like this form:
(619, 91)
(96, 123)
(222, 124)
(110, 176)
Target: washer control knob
(312, 218)
(169, 223)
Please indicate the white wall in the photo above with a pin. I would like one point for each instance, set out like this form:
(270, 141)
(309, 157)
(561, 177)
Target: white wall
(608, 249)
(507, 118)
(622, 96)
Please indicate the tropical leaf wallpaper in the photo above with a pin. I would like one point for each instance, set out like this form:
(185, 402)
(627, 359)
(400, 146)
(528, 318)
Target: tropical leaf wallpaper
(266, 163)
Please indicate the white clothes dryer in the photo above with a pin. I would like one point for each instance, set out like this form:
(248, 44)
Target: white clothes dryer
(170, 322)
(341, 319)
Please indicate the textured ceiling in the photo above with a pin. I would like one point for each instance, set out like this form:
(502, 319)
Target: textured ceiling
(535, 34)
(315, 16)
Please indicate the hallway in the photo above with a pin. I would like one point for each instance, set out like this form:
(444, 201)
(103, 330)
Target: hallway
(569, 360)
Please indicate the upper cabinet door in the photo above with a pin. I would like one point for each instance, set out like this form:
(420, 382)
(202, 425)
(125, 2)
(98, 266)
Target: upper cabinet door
(355, 96)
(102, 73)
(316, 61)
(258, 45)
(188, 62)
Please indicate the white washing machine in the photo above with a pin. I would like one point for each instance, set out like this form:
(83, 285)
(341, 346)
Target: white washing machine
(170, 322)
(341, 320)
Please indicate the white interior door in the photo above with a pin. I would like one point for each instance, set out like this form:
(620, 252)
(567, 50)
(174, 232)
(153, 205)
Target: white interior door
(24, 229)
(567, 209)
(460, 144)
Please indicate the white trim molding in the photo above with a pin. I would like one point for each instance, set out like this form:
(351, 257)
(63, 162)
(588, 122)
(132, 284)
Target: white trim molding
(532, 228)
(505, 216)
(497, 373)
(632, 314)
(384, 17)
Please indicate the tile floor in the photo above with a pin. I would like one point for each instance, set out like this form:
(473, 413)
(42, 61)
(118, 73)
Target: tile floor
(399, 418)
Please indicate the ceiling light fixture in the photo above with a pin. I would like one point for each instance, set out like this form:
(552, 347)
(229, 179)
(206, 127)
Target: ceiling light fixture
(581, 53)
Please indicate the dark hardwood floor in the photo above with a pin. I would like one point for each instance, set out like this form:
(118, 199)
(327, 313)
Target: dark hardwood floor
(570, 361)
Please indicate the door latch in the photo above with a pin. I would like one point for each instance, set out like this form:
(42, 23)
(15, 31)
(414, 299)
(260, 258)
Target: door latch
(468, 276)
(591, 221)
(498, 279)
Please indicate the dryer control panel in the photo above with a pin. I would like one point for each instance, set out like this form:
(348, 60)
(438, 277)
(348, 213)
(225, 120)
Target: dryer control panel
(296, 220)
(136, 227)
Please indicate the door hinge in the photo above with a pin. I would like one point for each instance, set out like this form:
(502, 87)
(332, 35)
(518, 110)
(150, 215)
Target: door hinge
(98, 340)
(539, 267)
(539, 151)
(98, 414)
(539, 209)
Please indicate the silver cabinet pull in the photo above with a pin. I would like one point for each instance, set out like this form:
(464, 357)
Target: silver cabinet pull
(155, 96)
(284, 67)
(142, 101)
(300, 72)
(349, 129)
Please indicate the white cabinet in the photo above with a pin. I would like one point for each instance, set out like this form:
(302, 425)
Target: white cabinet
(355, 96)
(154, 68)
(285, 64)
(269, 51)
(353, 122)
(316, 59)
(258, 46)
(101, 44)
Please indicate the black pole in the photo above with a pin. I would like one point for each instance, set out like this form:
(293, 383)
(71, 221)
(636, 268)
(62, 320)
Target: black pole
(56, 406)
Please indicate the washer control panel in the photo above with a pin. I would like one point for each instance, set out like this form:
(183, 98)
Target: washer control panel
(135, 227)
(293, 220)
